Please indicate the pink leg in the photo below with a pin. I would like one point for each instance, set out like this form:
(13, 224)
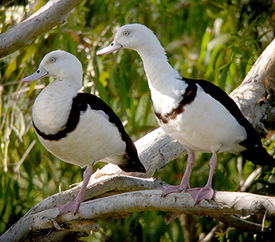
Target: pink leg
(184, 184)
(206, 192)
(73, 206)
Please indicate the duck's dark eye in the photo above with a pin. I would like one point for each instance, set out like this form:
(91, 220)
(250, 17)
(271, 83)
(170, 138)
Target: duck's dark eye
(112, 44)
(52, 60)
(126, 33)
(38, 71)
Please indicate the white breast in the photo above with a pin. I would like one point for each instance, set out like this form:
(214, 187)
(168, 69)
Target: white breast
(167, 97)
(93, 139)
(52, 107)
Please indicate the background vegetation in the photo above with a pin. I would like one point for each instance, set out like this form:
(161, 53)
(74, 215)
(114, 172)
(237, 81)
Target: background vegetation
(218, 40)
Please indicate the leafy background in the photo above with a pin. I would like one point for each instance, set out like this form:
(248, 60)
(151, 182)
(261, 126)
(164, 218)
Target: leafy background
(218, 40)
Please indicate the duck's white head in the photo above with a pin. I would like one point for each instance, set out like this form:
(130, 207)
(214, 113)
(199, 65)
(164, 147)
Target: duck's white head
(62, 66)
(136, 37)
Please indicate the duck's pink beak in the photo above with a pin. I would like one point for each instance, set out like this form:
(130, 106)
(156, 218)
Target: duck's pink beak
(39, 74)
(110, 48)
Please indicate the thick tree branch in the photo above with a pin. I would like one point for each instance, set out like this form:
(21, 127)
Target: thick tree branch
(234, 204)
(51, 14)
(106, 197)
(255, 96)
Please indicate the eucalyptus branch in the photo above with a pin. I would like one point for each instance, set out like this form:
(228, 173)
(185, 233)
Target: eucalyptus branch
(225, 205)
(255, 96)
(113, 194)
(53, 13)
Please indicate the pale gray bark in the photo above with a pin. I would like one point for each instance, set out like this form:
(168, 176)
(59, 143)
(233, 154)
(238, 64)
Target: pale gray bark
(113, 194)
(255, 96)
(53, 13)
(233, 208)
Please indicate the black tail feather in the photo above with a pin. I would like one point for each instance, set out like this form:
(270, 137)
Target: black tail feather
(132, 166)
(131, 161)
(259, 156)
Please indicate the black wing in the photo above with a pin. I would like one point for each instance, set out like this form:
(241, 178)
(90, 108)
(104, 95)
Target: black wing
(131, 159)
(255, 151)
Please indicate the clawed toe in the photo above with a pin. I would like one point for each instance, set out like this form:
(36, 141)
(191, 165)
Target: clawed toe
(71, 206)
(173, 189)
(199, 194)
(193, 192)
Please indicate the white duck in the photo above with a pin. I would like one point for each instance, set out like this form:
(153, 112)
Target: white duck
(197, 113)
(78, 128)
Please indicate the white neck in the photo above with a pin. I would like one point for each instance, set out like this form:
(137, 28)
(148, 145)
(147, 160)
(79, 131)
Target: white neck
(72, 79)
(160, 74)
(52, 106)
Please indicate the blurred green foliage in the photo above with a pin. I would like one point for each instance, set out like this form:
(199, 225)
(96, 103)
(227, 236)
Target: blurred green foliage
(218, 40)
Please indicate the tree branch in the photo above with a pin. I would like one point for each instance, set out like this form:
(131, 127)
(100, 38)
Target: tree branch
(106, 197)
(121, 205)
(51, 14)
(255, 96)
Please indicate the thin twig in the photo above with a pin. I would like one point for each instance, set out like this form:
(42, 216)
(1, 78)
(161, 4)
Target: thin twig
(24, 156)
